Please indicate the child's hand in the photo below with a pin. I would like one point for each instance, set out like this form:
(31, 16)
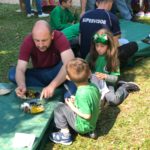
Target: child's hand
(69, 102)
(101, 76)
(72, 98)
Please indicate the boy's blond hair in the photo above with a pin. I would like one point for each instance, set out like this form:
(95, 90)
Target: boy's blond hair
(78, 70)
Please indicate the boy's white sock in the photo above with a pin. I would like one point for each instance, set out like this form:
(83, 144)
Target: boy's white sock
(65, 131)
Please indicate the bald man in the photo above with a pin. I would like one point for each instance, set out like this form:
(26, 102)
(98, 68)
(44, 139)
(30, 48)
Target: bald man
(49, 52)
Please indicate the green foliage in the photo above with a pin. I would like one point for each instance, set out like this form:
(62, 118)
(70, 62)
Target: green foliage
(119, 128)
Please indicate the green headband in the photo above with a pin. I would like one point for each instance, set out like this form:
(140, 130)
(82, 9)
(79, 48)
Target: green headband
(100, 38)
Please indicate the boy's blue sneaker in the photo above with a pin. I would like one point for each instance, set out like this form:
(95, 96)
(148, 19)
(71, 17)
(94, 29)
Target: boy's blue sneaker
(59, 137)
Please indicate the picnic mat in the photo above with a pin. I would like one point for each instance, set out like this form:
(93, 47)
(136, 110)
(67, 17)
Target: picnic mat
(13, 120)
(134, 31)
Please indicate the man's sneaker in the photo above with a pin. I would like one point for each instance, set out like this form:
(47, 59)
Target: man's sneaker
(129, 86)
(30, 15)
(140, 14)
(59, 137)
(43, 15)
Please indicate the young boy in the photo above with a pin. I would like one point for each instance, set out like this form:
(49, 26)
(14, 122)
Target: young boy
(80, 112)
(61, 17)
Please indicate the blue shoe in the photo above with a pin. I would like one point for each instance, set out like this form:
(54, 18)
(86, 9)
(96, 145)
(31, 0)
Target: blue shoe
(59, 137)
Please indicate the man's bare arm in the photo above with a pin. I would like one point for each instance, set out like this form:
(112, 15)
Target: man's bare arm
(20, 72)
(20, 77)
(66, 56)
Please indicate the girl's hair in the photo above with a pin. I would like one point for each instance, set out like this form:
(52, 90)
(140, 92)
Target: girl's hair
(78, 70)
(111, 53)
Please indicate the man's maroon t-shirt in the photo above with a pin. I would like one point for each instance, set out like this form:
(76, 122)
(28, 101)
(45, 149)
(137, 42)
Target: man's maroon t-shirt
(46, 59)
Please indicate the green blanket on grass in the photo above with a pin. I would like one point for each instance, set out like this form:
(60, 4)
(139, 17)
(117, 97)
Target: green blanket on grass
(14, 120)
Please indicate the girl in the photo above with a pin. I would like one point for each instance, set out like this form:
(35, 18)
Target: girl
(104, 63)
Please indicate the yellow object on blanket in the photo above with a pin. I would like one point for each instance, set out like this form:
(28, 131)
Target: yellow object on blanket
(36, 109)
(32, 108)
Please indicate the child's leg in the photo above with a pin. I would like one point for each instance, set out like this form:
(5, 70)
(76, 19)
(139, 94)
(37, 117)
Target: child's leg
(28, 6)
(22, 5)
(118, 96)
(115, 98)
(39, 6)
(101, 84)
(63, 116)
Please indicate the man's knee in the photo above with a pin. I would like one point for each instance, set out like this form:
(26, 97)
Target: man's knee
(133, 46)
(126, 51)
(11, 74)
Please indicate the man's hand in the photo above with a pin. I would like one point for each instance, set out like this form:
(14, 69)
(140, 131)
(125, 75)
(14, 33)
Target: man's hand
(47, 92)
(20, 91)
(101, 76)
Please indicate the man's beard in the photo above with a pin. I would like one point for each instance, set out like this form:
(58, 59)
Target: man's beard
(42, 49)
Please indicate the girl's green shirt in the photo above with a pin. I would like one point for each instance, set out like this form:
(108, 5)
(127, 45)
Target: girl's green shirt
(100, 66)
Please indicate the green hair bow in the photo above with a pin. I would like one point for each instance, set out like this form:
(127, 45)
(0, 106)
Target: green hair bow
(100, 38)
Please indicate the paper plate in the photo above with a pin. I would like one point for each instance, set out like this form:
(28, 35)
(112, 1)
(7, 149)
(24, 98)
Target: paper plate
(6, 88)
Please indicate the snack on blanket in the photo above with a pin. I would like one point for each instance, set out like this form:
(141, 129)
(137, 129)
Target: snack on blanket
(37, 108)
(30, 94)
(32, 108)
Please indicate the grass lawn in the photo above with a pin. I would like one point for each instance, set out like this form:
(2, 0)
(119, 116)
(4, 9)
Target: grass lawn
(119, 128)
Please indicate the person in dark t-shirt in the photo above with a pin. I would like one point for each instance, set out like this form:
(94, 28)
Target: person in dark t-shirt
(99, 18)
